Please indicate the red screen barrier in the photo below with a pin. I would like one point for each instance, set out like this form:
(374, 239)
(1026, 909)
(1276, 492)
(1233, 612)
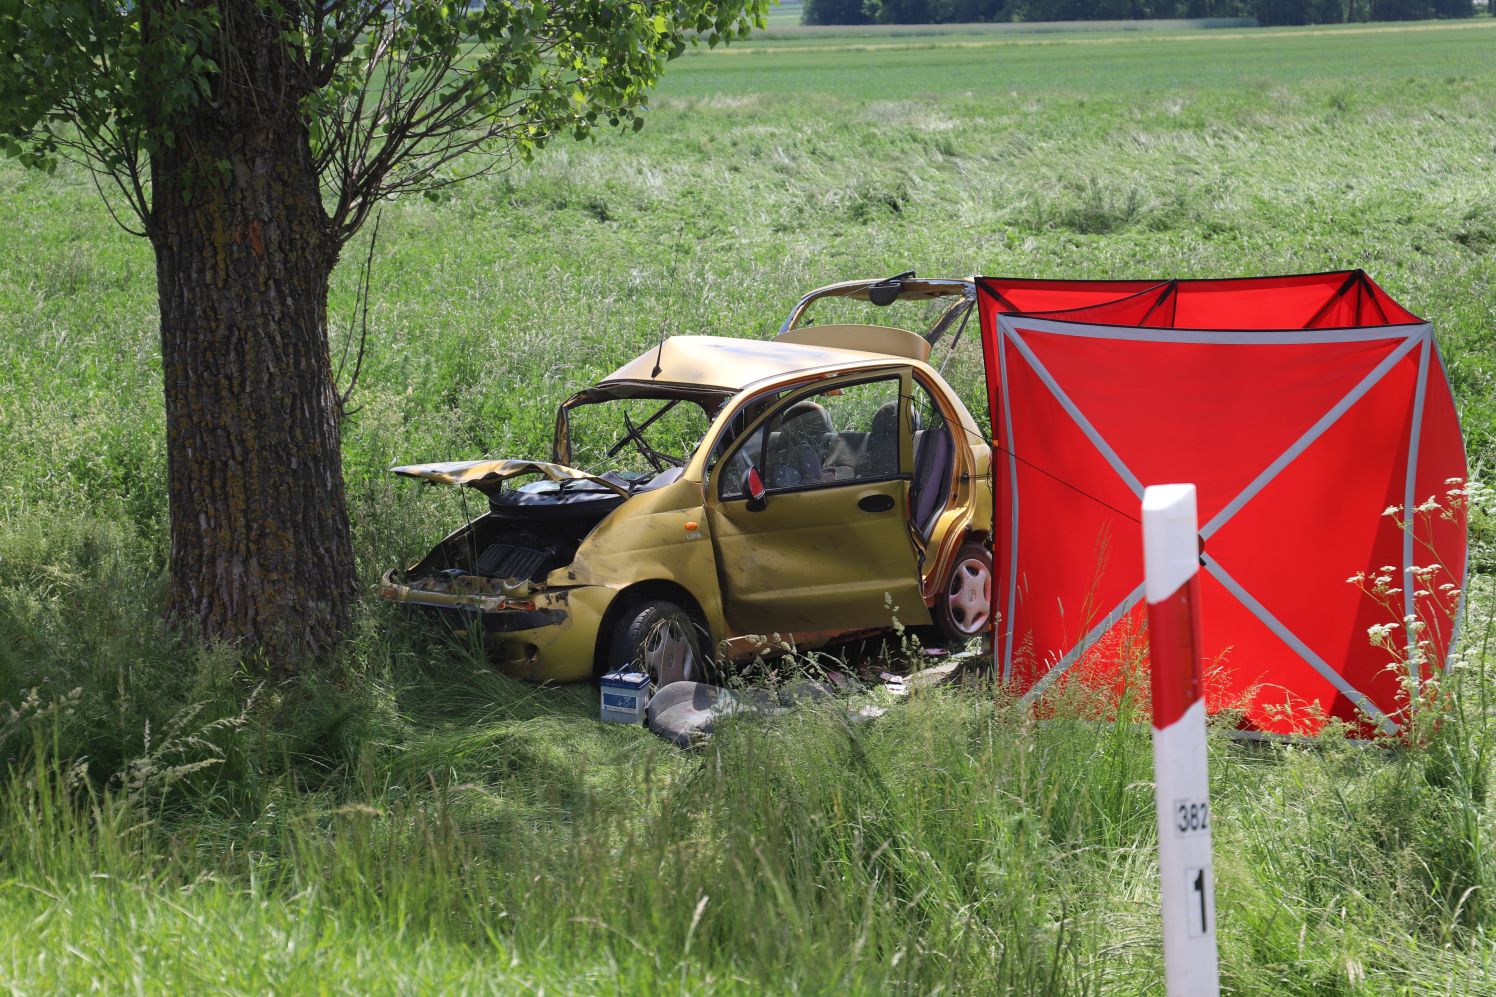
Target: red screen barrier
(1312, 413)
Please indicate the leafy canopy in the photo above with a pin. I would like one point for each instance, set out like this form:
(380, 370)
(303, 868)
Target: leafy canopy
(395, 94)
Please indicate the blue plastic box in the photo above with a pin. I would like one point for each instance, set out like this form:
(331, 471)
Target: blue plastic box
(624, 697)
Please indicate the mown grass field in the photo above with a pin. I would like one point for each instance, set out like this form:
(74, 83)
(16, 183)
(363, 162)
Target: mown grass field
(406, 820)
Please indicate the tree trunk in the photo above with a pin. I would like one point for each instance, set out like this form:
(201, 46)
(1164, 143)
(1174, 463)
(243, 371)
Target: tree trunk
(260, 549)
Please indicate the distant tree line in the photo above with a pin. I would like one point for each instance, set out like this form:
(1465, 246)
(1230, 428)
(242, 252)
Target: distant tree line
(1265, 11)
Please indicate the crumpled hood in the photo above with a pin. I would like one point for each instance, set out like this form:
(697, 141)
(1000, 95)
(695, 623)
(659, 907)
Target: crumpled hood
(487, 475)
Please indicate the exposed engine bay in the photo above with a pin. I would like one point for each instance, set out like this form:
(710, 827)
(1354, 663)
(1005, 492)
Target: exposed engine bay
(527, 533)
(532, 529)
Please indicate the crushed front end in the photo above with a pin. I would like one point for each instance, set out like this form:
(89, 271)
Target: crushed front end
(502, 576)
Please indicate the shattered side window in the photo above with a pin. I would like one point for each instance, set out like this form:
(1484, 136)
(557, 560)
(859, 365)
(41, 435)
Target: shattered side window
(745, 456)
(635, 435)
(841, 434)
(749, 455)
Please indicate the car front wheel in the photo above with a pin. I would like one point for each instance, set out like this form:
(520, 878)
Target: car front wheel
(660, 639)
(963, 609)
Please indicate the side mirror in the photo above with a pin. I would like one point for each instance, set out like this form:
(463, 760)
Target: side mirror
(753, 487)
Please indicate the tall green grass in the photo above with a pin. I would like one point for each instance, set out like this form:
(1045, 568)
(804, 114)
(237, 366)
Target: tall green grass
(955, 845)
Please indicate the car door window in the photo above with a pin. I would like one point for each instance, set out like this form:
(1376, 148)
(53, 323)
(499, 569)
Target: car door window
(746, 457)
(742, 453)
(842, 434)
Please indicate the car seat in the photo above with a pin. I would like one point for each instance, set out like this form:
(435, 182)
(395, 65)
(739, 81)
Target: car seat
(881, 458)
(933, 455)
(797, 449)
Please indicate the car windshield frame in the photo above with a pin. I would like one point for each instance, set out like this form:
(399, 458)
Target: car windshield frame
(633, 432)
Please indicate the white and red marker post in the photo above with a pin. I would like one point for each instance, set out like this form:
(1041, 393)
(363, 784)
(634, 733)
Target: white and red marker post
(1171, 556)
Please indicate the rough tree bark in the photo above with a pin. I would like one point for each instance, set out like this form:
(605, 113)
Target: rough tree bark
(260, 536)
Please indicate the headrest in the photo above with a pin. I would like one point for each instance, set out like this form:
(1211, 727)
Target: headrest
(808, 417)
(886, 419)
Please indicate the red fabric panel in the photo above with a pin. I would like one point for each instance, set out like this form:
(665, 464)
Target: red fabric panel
(1229, 415)
(1261, 303)
(1388, 310)
(1440, 535)
(1338, 300)
(1319, 522)
(1078, 551)
(1112, 667)
(1152, 308)
(1028, 295)
(1217, 414)
(1254, 672)
(1165, 312)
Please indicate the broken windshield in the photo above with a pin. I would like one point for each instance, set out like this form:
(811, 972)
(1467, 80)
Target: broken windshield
(640, 435)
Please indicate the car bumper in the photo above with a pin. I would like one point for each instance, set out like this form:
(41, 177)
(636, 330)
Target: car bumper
(549, 636)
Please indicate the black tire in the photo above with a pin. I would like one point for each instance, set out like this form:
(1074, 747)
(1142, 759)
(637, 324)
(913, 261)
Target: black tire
(963, 606)
(661, 639)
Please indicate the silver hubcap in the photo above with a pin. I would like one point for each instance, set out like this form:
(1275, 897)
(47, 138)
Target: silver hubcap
(669, 653)
(970, 596)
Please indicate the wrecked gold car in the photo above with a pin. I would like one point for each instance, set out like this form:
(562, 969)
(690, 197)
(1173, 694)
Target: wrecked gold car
(818, 486)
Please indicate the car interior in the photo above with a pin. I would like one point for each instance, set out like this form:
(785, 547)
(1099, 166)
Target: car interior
(808, 448)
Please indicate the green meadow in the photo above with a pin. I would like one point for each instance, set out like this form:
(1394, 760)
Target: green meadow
(405, 820)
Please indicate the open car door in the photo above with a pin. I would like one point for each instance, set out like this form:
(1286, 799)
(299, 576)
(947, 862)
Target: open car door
(809, 511)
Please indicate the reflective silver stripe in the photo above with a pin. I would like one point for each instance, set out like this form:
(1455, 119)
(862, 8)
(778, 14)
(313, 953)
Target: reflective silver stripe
(1101, 445)
(1304, 651)
(1071, 656)
(1410, 605)
(1221, 337)
(1313, 433)
(1002, 367)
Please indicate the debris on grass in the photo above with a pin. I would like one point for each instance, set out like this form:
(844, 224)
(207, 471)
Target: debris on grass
(685, 713)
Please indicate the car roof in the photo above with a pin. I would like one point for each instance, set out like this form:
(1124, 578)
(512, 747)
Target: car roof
(726, 364)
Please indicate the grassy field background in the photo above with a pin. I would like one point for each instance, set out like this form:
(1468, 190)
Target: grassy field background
(408, 820)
